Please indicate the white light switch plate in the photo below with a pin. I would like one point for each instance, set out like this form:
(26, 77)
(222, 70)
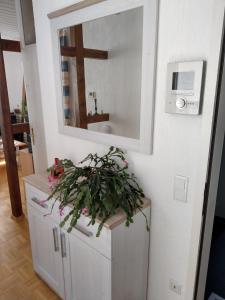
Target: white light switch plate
(180, 188)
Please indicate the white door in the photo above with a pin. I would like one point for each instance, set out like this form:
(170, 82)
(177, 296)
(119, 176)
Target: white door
(33, 93)
(46, 250)
(89, 271)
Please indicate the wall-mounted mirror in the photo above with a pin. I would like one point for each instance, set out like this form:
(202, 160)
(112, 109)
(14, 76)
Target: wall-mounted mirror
(100, 55)
(101, 63)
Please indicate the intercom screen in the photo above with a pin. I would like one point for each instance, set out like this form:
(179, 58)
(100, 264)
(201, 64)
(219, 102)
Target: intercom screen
(183, 80)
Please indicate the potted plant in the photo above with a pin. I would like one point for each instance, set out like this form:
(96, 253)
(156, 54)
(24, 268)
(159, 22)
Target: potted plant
(97, 187)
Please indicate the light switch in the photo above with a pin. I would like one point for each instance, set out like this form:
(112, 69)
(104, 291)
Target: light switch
(180, 188)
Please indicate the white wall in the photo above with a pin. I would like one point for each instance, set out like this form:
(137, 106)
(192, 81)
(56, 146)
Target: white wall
(117, 80)
(14, 76)
(188, 29)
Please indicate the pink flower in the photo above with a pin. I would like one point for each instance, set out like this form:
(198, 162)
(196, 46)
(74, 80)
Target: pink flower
(85, 211)
(61, 211)
(52, 182)
(126, 163)
(50, 178)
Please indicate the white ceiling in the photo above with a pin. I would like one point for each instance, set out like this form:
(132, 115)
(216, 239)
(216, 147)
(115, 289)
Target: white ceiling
(8, 22)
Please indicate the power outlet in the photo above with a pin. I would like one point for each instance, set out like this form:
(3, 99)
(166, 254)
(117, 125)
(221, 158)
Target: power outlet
(175, 287)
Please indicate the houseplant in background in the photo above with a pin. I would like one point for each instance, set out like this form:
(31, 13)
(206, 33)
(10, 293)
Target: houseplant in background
(97, 187)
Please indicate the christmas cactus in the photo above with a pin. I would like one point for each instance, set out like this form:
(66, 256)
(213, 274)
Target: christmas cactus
(97, 187)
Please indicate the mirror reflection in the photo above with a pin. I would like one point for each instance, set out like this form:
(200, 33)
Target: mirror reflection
(101, 66)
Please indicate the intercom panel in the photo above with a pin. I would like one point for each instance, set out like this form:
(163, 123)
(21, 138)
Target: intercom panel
(184, 87)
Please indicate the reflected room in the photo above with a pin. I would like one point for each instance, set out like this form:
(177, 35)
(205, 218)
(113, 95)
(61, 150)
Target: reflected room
(101, 72)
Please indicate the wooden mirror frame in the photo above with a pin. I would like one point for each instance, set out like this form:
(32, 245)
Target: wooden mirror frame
(90, 10)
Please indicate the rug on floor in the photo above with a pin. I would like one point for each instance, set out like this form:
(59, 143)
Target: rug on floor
(215, 297)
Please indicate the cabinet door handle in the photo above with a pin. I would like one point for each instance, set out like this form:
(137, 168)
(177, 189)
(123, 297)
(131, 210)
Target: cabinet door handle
(83, 230)
(39, 202)
(56, 239)
(63, 244)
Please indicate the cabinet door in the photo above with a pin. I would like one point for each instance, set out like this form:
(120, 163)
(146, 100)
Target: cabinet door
(90, 272)
(46, 250)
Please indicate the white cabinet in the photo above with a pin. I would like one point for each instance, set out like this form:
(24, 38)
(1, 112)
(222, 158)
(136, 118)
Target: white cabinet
(46, 254)
(89, 271)
(80, 266)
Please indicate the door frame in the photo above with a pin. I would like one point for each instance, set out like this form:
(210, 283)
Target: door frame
(213, 175)
(7, 131)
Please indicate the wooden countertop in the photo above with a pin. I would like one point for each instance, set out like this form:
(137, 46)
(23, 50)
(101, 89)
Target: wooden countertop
(40, 182)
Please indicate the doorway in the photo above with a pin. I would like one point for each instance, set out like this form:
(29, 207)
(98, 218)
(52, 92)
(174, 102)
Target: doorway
(210, 281)
(12, 130)
(15, 106)
(215, 280)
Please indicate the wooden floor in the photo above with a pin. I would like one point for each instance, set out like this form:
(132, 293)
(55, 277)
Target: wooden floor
(17, 278)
